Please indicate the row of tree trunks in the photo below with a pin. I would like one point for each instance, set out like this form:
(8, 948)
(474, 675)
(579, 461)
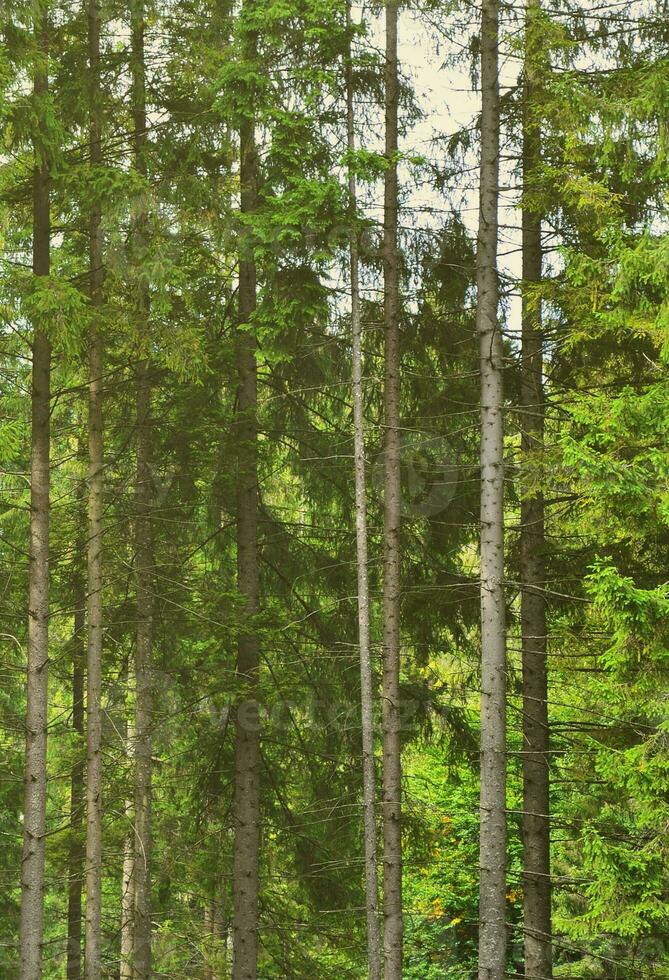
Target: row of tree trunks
(536, 809)
(136, 951)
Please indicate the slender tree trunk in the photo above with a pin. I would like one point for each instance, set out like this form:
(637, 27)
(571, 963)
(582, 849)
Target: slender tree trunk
(247, 736)
(128, 873)
(143, 557)
(34, 808)
(128, 903)
(77, 788)
(93, 944)
(144, 694)
(214, 926)
(536, 797)
(492, 904)
(208, 931)
(392, 762)
(366, 673)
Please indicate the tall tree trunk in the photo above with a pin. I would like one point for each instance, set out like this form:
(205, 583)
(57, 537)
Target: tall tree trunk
(366, 674)
(143, 555)
(392, 763)
(77, 788)
(93, 943)
(492, 904)
(247, 738)
(536, 797)
(144, 694)
(34, 808)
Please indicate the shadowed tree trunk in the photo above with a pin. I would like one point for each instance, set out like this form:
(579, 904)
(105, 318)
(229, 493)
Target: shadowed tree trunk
(392, 765)
(536, 802)
(34, 807)
(366, 674)
(93, 945)
(492, 895)
(143, 549)
(247, 737)
(77, 785)
(144, 693)
(215, 927)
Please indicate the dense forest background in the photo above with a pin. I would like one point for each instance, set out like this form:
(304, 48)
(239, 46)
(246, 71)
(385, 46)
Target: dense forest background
(334, 490)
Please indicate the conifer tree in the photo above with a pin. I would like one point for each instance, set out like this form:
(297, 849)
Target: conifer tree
(77, 781)
(34, 820)
(94, 852)
(247, 739)
(144, 560)
(392, 772)
(536, 756)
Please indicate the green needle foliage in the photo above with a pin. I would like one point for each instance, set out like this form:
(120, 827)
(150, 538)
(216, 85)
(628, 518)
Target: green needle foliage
(173, 240)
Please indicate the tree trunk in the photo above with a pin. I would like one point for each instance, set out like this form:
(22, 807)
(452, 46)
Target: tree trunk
(34, 808)
(128, 902)
(366, 674)
(144, 693)
(77, 789)
(392, 763)
(208, 931)
(128, 874)
(214, 926)
(93, 944)
(247, 737)
(536, 808)
(492, 903)
(143, 556)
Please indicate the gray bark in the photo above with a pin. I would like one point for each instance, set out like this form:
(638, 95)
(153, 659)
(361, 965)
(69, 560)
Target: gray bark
(536, 796)
(93, 941)
(362, 559)
(247, 737)
(392, 763)
(34, 807)
(492, 894)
